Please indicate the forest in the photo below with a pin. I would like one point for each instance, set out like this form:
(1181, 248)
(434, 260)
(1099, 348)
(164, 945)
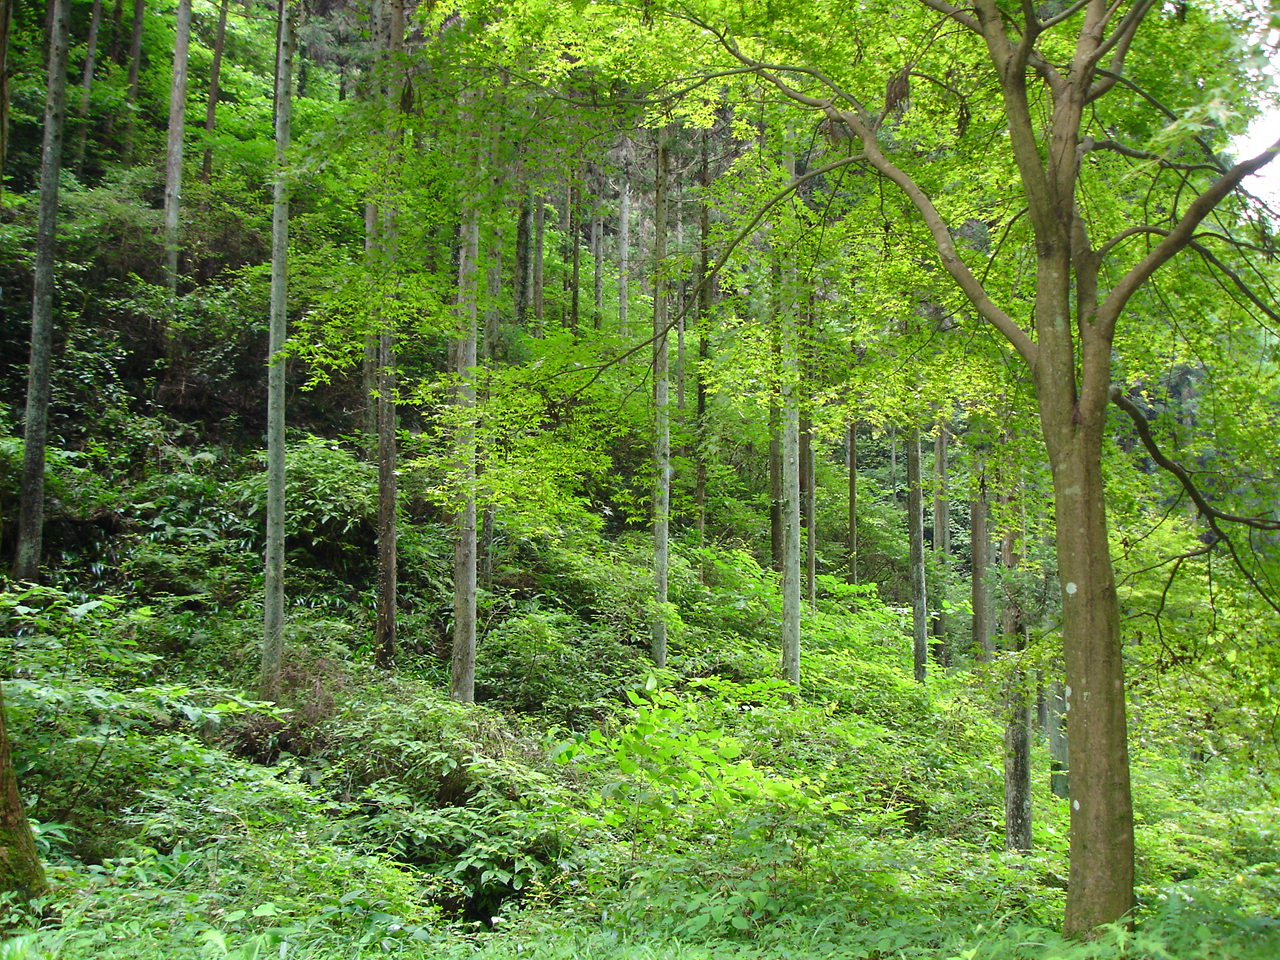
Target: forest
(684, 479)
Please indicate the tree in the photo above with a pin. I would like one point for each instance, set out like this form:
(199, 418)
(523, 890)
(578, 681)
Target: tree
(21, 872)
(26, 565)
(662, 411)
(215, 72)
(173, 155)
(1057, 75)
(462, 684)
(273, 601)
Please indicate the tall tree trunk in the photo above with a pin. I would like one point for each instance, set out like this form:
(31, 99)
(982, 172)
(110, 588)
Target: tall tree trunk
(135, 71)
(1017, 734)
(524, 261)
(36, 421)
(539, 263)
(462, 679)
(790, 500)
(1059, 755)
(941, 544)
(215, 72)
(851, 459)
(575, 259)
(113, 48)
(704, 317)
(624, 247)
(385, 628)
(809, 512)
(6, 28)
(21, 872)
(173, 155)
(915, 535)
(86, 84)
(597, 266)
(980, 551)
(662, 412)
(775, 486)
(273, 603)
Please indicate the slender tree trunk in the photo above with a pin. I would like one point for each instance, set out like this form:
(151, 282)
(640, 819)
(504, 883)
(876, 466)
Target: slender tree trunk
(388, 522)
(135, 70)
(852, 461)
(980, 542)
(915, 534)
(86, 84)
(775, 486)
(809, 512)
(539, 264)
(704, 317)
(1017, 735)
(211, 111)
(575, 259)
(6, 26)
(1059, 762)
(662, 412)
(173, 155)
(273, 606)
(941, 544)
(462, 681)
(113, 48)
(624, 247)
(524, 261)
(790, 501)
(597, 266)
(36, 421)
(21, 872)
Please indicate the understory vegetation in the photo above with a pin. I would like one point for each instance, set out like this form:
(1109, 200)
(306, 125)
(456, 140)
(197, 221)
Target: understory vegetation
(589, 805)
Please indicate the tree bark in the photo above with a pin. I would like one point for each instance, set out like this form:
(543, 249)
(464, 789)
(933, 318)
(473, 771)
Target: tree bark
(462, 679)
(173, 154)
(21, 872)
(211, 110)
(36, 421)
(809, 512)
(662, 412)
(915, 561)
(575, 259)
(1059, 755)
(775, 486)
(269, 683)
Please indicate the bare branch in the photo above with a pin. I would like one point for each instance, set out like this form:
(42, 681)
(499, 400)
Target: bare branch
(1066, 14)
(955, 13)
(1115, 146)
(1206, 509)
(1181, 235)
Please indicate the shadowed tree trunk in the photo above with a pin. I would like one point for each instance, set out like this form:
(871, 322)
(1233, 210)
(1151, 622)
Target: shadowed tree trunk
(980, 544)
(86, 84)
(851, 460)
(462, 678)
(1017, 731)
(624, 251)
(36, 420)
(21, 872)
(941, 544)
(385, 628)
(135, 69)
(273, 601)
(215, 72)
(662, 412)
(915, 535)
(6, 26)
(173, 154)
(539, 263)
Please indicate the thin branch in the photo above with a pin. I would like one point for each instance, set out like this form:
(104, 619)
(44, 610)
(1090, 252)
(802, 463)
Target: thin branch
(955, 13)
(1066, 14)
(1115, 146)
(1206, 509)
(1180, 236)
